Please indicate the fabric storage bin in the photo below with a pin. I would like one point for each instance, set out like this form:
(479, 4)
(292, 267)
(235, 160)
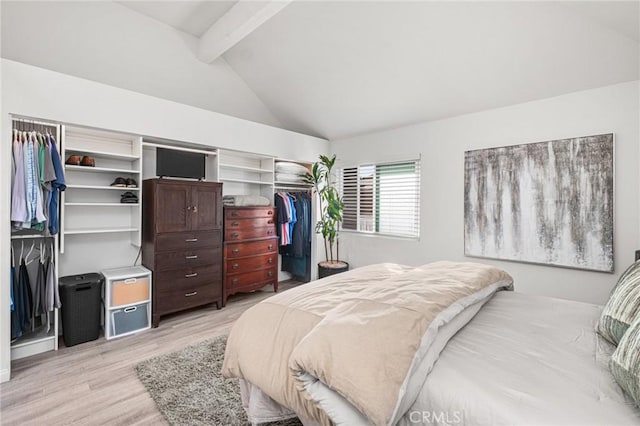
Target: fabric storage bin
(129, 291)
(129, 320)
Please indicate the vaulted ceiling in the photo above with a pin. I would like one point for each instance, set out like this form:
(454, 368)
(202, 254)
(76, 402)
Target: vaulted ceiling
(339, 68)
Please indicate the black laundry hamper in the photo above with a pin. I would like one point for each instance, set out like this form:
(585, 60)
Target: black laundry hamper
(80, 296)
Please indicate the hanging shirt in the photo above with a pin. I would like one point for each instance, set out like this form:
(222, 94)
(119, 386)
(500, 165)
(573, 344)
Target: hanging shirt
(56, 186)
(18, 194)
(53, 296)
(294, 218)
(29, 179)
(39, 217)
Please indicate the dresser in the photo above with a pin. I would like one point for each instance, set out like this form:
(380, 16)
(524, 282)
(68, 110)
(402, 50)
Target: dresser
(250, 250)
(182, 243)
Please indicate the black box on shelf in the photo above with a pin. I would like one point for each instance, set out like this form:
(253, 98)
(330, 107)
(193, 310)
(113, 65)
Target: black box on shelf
(80, 296)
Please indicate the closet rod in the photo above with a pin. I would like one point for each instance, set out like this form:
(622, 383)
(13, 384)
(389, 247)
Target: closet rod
(293, 188)
(32, 121)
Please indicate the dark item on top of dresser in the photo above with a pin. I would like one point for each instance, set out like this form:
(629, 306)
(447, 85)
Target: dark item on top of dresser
(250, 250)
(182, 243)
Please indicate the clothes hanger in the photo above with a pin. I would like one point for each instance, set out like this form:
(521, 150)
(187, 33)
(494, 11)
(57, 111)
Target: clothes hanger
(26, 260)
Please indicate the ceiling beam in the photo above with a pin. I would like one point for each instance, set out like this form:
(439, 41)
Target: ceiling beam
(244, 17)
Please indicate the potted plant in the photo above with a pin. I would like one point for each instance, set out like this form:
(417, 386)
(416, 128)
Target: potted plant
(331, 208)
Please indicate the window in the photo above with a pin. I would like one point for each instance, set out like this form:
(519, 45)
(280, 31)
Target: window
(382, 198)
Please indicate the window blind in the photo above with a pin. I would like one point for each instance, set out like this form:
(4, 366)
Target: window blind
(382, 198)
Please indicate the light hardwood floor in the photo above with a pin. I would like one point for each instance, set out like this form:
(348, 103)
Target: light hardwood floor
(95, 383)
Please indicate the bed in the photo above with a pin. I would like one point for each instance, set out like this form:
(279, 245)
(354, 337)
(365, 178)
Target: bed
(497, 356)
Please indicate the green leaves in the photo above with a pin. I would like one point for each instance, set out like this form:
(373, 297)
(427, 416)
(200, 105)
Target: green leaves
(331, 205)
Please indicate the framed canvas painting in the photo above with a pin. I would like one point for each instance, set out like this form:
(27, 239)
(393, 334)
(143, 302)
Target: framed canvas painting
(548, 202)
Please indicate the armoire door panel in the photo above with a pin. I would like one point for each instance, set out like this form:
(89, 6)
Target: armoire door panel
(204, 204)
(172, 210)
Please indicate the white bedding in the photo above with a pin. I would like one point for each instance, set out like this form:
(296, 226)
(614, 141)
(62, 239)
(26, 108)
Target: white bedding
(524, 360)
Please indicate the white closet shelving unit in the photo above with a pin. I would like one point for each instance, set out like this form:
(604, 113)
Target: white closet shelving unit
(245, 173)
(43, 339)
(288, 185)
(91, 204)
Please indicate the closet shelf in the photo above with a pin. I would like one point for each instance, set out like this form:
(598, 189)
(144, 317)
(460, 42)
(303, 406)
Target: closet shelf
(97, 230)
(245, 168)
(103, 204)
(99, 169)
(32, 338)
(289, 184)
(254, 182)
(102, 154)
(116, 188)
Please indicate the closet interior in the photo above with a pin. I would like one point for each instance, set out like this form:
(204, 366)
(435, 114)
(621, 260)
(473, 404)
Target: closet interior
(37, 178)
(88, 217)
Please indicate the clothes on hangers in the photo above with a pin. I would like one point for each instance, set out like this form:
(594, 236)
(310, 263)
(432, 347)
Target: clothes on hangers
(34, 288)
(294, 233)
(37, 172)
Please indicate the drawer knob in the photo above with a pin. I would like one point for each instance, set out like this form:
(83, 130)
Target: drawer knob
(235, 235)
(191, 240)
(270, 274)
(131, 309)
(270, 212)
(234, 281)
(194, 274)
(270, 247)
(234, 223)
(195, 209)
(193, 293)
(234, 214)
(270, 232)
(270, 221)
(235, 251)
(270, 260)
(195, 256)
(235, 266)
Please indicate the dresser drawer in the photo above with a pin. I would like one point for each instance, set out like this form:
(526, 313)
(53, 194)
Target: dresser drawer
(243, 213)
(251, 248)
(187, 278)
(248, 278)
(185, 259)
(187, 240)
(244, 234)
(246, 264)
(179, 299)
(256, 222)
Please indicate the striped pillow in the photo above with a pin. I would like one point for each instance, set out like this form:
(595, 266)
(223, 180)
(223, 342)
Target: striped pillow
(623, 306)
(625, 362)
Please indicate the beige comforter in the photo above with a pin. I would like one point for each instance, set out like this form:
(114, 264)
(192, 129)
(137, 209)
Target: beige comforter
(358, 335)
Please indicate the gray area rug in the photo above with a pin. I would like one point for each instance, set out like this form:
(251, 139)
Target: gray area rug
(188, 388)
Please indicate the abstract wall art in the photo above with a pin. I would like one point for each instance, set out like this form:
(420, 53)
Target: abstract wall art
(547, 202)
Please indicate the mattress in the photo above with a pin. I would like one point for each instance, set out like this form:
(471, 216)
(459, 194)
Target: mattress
(525, 360)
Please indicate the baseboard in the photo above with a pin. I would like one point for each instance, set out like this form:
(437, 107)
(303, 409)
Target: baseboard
(5, 375)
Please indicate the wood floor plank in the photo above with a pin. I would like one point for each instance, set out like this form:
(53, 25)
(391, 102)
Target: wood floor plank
(95, 383)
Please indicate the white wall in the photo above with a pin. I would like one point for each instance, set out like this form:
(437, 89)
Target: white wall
(36, 92)
(442, 145)
(110, 43)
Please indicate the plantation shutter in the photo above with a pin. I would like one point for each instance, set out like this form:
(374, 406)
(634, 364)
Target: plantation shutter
(382, 198)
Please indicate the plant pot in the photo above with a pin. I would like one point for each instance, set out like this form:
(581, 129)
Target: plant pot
(326, 269)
